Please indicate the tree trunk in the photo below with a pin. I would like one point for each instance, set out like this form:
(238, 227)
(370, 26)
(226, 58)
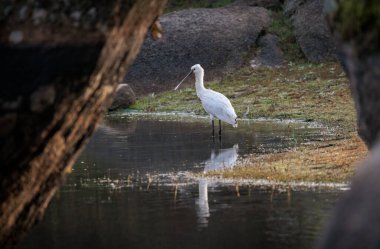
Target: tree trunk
(356, 220)
(355, 26)
(57, 82)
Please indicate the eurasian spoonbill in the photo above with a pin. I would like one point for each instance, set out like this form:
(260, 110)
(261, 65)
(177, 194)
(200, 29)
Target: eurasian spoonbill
(215, 104)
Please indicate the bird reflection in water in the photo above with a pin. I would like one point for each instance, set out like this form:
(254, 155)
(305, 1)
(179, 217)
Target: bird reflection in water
(224, 159)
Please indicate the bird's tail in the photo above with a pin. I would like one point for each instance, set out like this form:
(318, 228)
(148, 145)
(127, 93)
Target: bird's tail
(236, 123)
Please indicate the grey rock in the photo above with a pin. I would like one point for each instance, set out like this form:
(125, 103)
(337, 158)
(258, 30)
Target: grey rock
(124, 97)
(76, 15)
(269, 4)
(290, 6)
(92, 13)
(7, 10)
(52, 17)
(39, 15)
(16, 36)
(102, 28)
(310, 29)
(215, 38)
(12, 104)
(268, 54)
(23, 12)
(41, 99)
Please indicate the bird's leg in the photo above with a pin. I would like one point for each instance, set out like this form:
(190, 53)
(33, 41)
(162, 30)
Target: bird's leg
(213, 130)
(220, 134)
(220, 128)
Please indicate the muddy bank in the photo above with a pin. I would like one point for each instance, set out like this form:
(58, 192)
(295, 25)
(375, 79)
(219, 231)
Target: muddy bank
(323, 161)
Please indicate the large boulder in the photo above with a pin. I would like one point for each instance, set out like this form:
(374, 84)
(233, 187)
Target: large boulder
(290, 6)
(310, 29)
(217, 39)
(268, 53)
(123, 98)
(268, 4)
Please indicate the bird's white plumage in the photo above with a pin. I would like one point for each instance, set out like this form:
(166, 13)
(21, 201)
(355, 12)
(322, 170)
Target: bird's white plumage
(214, 103)
(218, 106)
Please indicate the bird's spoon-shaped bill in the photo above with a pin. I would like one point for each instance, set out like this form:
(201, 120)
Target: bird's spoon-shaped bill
(182, 81)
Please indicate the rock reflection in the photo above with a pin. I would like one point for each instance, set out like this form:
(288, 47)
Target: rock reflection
(118, 127)
(225, 158)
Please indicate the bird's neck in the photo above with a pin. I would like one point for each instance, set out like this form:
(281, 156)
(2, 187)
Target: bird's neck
(199, 86)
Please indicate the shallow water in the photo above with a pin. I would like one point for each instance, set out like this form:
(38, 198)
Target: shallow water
(130, 188)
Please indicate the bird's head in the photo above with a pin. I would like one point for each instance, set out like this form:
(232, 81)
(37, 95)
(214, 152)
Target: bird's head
(196, 69)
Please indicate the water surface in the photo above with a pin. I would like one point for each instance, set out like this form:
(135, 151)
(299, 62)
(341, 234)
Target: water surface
(129, 189)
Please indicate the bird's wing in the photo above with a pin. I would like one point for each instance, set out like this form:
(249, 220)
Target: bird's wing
(219, 106)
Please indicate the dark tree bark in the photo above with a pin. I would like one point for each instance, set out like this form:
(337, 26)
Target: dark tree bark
(356, 220)
(56, 84)
(355, 25)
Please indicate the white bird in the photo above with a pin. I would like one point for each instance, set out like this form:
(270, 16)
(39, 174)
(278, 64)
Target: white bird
(215, 104)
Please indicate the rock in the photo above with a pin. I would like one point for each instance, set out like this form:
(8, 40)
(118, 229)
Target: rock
(215, 38)
(92, 13)
(42, 99)
(269, 54)
(268, 4)
(39, 15)
(16, 36)
(290, 6)
(23, 12)
(76, 15)
(7, 10)
(310, 29)
(124, 97)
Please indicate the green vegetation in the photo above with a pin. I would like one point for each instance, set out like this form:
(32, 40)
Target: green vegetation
(282, 27)
(358, 16)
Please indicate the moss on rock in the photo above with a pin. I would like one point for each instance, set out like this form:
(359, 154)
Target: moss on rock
(358, 20)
